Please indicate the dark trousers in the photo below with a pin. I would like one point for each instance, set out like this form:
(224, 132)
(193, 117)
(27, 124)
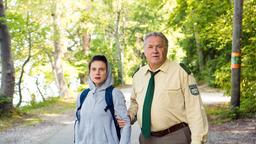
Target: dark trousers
(181, 136)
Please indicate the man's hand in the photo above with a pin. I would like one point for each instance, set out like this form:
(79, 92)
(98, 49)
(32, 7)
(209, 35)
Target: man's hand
(120, 122)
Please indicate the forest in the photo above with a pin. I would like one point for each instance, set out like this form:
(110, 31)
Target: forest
(46, 45)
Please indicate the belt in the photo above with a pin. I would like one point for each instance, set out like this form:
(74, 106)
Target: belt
(169, 130)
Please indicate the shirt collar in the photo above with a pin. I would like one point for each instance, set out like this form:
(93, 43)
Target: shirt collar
(163, 67)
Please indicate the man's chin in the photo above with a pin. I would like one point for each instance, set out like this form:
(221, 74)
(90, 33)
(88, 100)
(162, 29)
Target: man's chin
(155, 62)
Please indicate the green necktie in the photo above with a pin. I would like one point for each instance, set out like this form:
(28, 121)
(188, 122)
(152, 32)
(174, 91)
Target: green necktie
(146, 114)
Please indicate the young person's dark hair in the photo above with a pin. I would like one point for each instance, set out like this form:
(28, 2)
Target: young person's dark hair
(99, 58)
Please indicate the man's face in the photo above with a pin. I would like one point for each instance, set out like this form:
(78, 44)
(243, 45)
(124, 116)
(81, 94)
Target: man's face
(98, 72)
(155, 51)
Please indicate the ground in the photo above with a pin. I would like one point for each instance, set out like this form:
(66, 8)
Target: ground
(39, 133)
(56, 127)
(241, 131)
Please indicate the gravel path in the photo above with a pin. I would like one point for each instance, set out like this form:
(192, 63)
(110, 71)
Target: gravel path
(242, 131)
(39, 133)
(58, 129)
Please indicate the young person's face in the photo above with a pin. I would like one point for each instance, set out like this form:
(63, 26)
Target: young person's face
(98, 72)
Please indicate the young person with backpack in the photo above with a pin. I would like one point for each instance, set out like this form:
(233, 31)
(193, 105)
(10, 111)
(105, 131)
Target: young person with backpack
(98, 106)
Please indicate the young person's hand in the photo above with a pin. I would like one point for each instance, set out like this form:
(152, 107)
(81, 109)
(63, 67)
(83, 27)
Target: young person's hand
(121, 122)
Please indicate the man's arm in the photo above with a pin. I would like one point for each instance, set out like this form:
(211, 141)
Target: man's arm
(121, 112)
(195, 112)
(132, 111)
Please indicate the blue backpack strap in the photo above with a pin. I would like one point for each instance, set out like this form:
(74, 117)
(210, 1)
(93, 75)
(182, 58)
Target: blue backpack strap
(82, 98)
(110, 106)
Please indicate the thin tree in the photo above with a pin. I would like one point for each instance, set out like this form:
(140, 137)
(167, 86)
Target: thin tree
(38, 88)
(118, 44)
(199, 49)
(58, 52)
(7, 78)
(26, 61)
(236, 54)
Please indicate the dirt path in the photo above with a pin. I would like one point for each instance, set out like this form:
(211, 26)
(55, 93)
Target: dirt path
(242, 131)
(58, 129)
(39, 133)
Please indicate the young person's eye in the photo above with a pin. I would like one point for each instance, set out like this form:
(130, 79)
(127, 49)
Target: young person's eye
(102, 69)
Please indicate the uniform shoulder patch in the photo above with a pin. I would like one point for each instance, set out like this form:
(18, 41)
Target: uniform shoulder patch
(185, 68)
(135, 71)
(193, 89)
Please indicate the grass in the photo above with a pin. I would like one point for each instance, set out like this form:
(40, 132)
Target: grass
(53, 105)
(30, 115)
(218, 114)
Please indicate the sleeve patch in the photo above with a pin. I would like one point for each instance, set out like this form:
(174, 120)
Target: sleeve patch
(193, 89)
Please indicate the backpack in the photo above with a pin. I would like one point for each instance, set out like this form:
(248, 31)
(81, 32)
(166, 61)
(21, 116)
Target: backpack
(109, 102)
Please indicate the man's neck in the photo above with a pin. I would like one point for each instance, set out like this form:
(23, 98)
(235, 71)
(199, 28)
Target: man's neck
(155, 67)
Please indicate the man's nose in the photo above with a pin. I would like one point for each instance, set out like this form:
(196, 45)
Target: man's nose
(155, 49)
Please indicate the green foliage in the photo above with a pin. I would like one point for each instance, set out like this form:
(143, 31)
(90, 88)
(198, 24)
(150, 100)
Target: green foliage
(206, 28)
(212, 22)
(218, 114)
(34, 105)
(82, 87)
(222, 76)
(5, 99)
(248, 76)
(99, 20)
(201, 18)
(33, 100)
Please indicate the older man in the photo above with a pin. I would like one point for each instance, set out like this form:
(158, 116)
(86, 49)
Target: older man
(165, 99)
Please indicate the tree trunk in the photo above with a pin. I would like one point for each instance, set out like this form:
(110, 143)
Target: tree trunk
(83, 78)
(86, 39)
(199, 50)
(58, 53)
(40, 92)
(119, 49)
(86, 42)
(8, 77)
(236, 54)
